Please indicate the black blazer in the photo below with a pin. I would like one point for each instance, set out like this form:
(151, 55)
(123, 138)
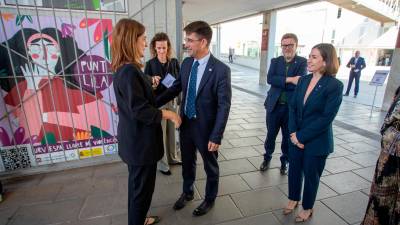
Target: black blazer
(360, 65)
(155, 68)
(140, 140)
(312, 121)
(213, 100)
(276, 77)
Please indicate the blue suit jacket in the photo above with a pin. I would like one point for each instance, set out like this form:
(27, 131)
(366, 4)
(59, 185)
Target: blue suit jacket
(213, 100)
(312, 121)
(359, 65)
(276, 77)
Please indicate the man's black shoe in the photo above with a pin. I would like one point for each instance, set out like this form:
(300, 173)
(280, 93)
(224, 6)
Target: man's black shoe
(183, 199)
(264, 165)
(355, 96)
(346, 95)
(203, 208)
(166, 173)
(283, 170)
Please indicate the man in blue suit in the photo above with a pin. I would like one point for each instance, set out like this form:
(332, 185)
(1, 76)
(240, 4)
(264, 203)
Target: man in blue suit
(205, 83)
(356, 63)
(283, 74)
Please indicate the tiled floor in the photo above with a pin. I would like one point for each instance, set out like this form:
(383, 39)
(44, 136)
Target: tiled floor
(97, 195)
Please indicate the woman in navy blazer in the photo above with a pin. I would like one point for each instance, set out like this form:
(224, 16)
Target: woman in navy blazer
(140, 143)
(315, 103)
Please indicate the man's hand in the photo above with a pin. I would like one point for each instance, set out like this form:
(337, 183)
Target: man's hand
(212, 147)
(294, 80)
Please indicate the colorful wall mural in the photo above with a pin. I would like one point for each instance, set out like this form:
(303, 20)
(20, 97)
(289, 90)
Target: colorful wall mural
(57, 102)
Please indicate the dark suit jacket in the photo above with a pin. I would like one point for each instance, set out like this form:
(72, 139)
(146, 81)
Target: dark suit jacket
(312, 121)
(360, 65)
(155, 68)
(276, 77)
(213, 100)
(140, 140)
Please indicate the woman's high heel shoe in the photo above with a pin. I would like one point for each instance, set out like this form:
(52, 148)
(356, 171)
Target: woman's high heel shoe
(287, 211)
(300, 219)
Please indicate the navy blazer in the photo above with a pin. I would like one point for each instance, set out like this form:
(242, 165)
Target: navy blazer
(276, 77)
(140, 140)
(213, 100)
(359, 65)
(312, 121)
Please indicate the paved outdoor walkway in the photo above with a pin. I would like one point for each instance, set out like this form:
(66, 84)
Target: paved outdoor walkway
(97, 195)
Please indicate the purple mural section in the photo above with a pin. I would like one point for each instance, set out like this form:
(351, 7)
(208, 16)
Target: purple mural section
(56, 89)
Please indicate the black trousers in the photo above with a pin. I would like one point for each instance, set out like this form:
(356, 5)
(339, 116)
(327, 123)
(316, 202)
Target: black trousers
(190, 141)
(277, 120)
(141, 184)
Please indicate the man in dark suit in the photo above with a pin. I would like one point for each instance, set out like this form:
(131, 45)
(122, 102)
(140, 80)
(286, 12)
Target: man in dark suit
(283, 74)
(356, 63)
(205, 83)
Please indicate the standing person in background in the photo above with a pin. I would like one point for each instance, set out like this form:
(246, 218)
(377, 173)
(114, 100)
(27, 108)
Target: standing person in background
(140, 141)
(384, 201)
(313, 108)
(163, 65)
(283, 74)
(356, 64)
(231, 52)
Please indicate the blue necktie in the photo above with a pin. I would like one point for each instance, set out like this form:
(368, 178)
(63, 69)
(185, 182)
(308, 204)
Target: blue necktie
(190, 109)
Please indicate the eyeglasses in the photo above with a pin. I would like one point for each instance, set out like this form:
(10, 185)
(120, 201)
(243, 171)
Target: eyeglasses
(188, 40)
(288, 46)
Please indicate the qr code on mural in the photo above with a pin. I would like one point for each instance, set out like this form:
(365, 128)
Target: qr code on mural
(15, 157)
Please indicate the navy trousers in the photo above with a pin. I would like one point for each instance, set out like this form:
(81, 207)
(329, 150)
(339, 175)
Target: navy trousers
(353, 76)
(141, 184)
(190, 139)
(309, 167)
(275, 120)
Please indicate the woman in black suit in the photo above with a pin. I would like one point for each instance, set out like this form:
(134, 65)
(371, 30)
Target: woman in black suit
(160, 66)
(140, 143)
(312, 109)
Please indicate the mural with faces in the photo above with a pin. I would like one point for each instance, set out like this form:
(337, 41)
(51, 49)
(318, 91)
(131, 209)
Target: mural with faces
(56, 80)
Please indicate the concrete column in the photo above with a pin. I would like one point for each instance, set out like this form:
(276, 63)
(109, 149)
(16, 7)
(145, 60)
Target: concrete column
(267, 44)
(218, 39)
(394, 78)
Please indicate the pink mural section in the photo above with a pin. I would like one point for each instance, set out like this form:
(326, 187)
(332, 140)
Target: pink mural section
(56, 90)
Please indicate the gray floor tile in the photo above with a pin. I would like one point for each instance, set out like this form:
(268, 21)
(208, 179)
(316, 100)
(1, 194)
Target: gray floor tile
(166, 195)
(360, 146)
(275, 161)
(364, 159)
(104, 205)
(340, 164)
(259, 201)
(6, 214)
(227, 185)
(345, 182)
(323, 191)
(44, 214)
(236, 121)
(237, 153)
(249, 133)
(245, 141)
(235, 166)
(253, 125)
(267, 178)
(322, 216)
(263, 219)
(339, 151)
(255, 120)
(224, 210)
(105, 220)
(351, 207)
(366, 173)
